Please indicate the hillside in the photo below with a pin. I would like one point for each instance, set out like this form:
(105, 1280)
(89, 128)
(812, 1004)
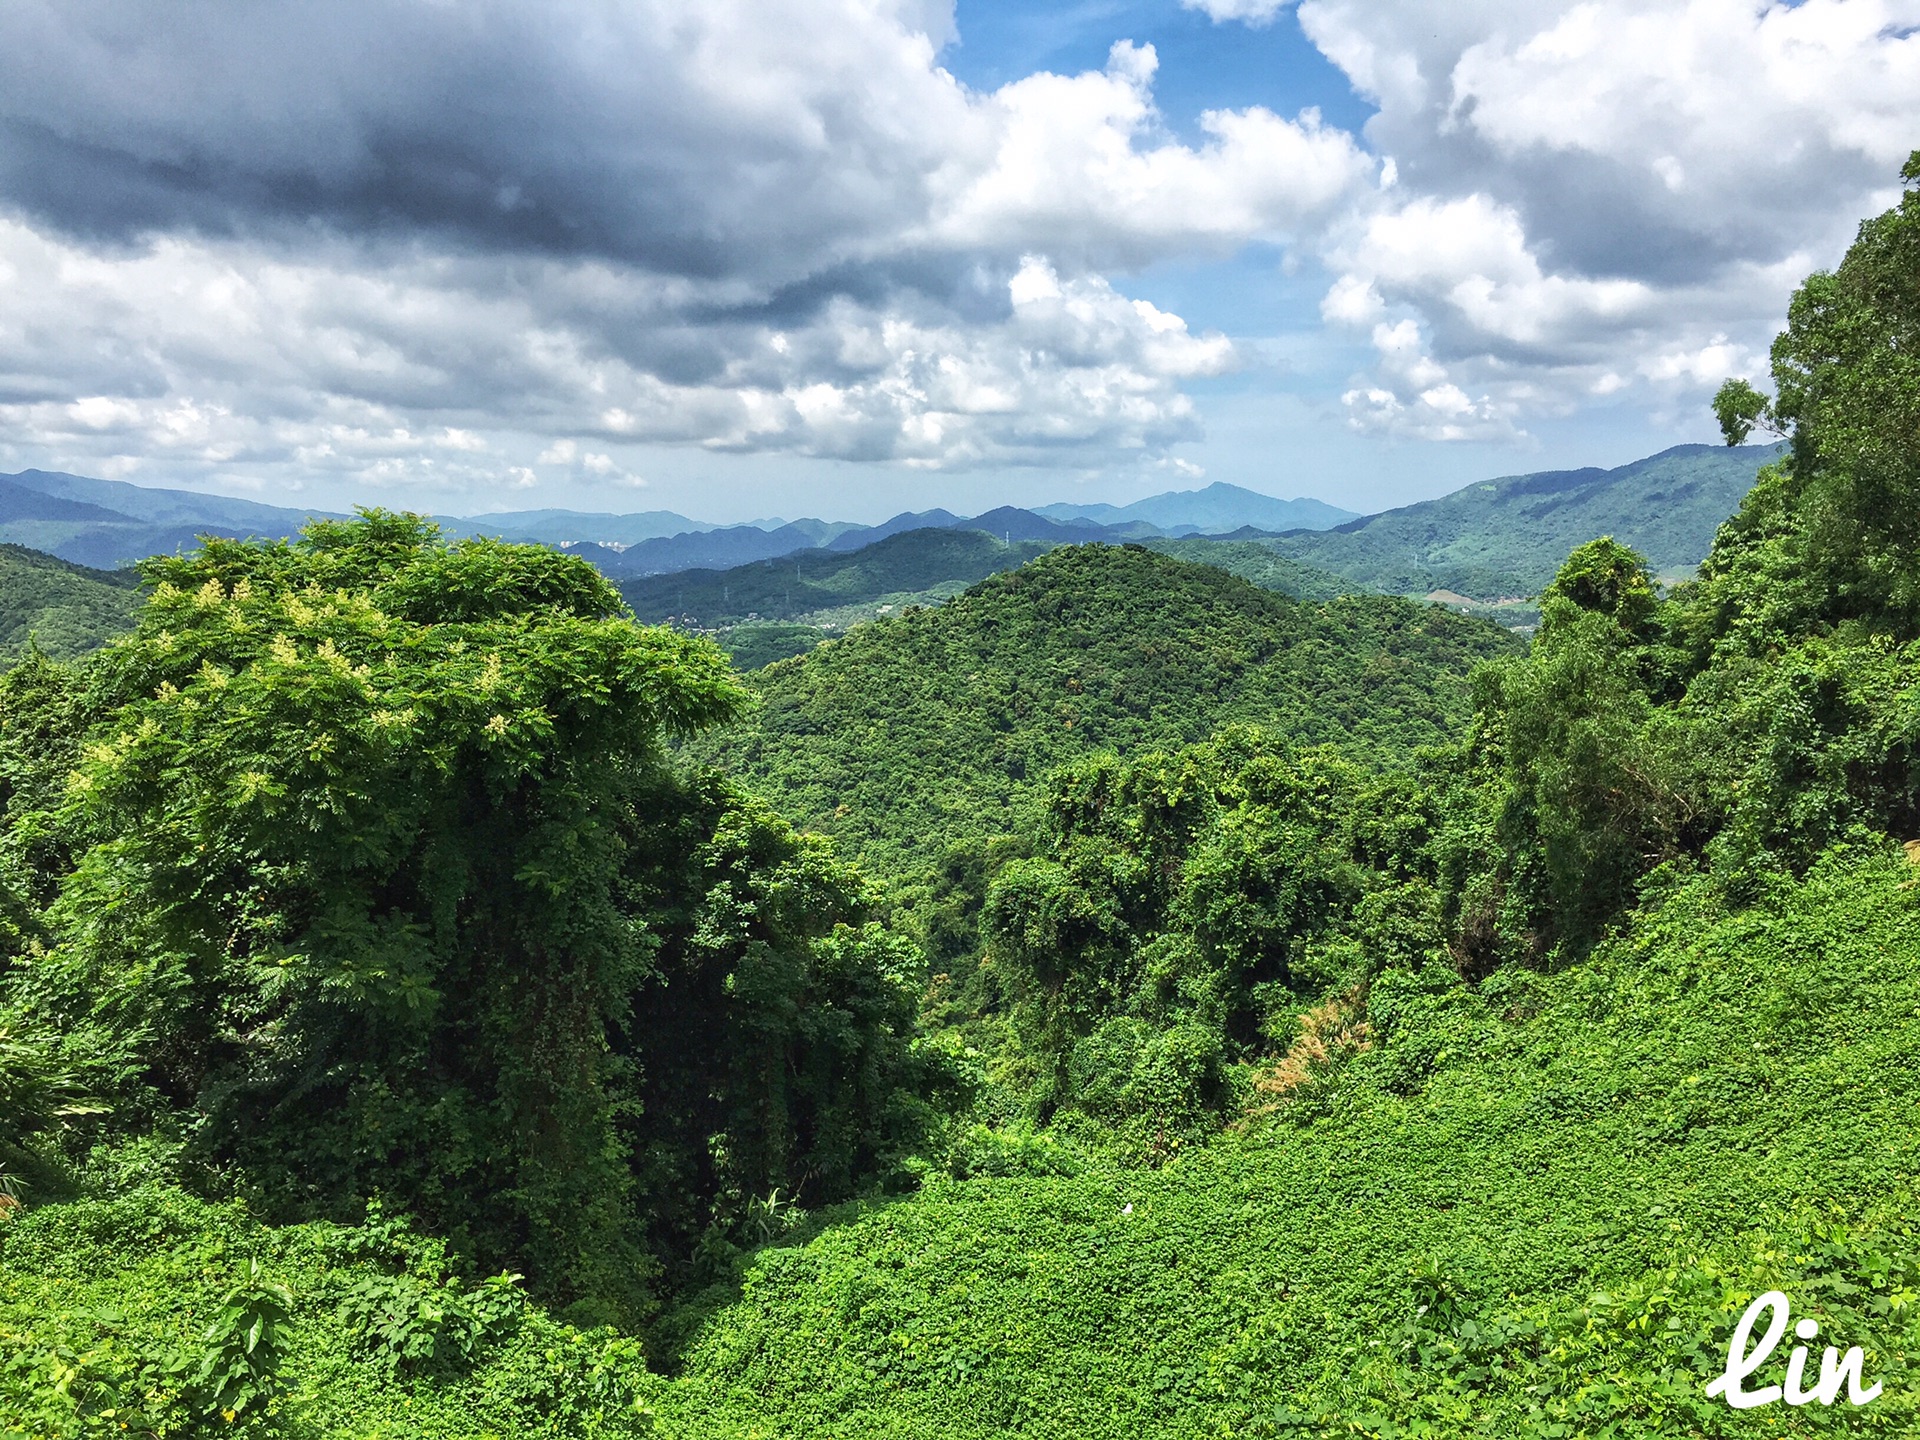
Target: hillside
(1577, 1175)
(1507, 1191)
(921, 729)
(1258, 564)
(107, 524)
(909, 563)
(66, 609)
(1506, 537)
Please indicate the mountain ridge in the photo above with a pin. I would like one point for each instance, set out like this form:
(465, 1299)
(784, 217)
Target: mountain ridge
(1215, 509)
(1498, 538)
(1505, 537)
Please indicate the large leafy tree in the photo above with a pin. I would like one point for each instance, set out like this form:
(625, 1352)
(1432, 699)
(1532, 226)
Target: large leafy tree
(1183, 905)
(381, 881)
(1835, 535)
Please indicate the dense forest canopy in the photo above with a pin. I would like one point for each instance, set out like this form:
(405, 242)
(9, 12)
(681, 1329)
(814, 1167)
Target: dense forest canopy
(929, 727)
(64, 610)
(1259, 1017)
(359, 868)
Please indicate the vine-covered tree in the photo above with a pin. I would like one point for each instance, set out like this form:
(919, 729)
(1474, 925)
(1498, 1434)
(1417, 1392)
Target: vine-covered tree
(369, 873)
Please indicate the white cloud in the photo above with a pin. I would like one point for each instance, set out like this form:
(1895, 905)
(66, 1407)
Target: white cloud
(1413, 395)
(1721, 90)
(396, 376)
(1592, 196)
(772, 227)
(1068, 165)
(1352, 301)
(1704, 365)
(1469, 262)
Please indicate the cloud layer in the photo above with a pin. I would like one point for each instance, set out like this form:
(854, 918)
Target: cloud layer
(421, 241)
(320, 237)
(1592, 196)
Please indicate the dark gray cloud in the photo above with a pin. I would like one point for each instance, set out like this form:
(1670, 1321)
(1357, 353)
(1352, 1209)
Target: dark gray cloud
(699, 140)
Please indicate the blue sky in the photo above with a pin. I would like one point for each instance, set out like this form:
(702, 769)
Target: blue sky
(1203, 65)
(849, 257)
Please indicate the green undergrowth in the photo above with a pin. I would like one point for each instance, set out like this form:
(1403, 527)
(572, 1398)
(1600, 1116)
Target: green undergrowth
(1529, 1208)
(133, 1314)
(1532, 1208)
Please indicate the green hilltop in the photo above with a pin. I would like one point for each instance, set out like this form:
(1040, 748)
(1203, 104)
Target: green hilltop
(916, 732)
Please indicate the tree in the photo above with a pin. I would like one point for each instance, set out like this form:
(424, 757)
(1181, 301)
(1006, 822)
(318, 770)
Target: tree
(1739, 407)
(1846, 374)
(369, 891)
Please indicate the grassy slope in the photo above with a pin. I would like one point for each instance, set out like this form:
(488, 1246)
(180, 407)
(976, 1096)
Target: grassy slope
(930, 723)
(66, 608)
(1677, 1121)
(1508, 537)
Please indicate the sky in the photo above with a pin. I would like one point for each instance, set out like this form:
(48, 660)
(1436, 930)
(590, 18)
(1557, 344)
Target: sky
(850, 257)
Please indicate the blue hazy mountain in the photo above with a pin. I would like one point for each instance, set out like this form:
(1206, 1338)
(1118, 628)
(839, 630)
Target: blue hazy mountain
(1495, 538)
(561, 527)
(110, 523)
(1217, 509)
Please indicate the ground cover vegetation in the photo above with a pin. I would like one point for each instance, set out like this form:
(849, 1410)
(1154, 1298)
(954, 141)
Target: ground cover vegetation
(402, 1037)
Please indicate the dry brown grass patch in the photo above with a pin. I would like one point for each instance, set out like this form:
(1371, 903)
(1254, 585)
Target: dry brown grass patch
(1329, 1034)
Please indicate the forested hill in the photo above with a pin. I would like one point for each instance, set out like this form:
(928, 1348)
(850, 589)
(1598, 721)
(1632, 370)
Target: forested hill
(65, 609)
(919, 731)
(1506, 537)
(913, 562)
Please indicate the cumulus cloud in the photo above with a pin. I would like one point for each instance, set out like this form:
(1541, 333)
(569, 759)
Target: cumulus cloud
(1058, 162)
(199, 357)
(460, 244)
(1581, 186)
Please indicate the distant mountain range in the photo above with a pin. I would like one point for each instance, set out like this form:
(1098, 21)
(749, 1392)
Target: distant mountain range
(1492, 541)
(1213, 511)
(108, 523)
(1498, 538)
